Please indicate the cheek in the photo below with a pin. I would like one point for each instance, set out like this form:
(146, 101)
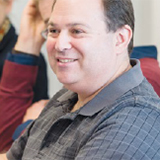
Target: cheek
(51, 52)
(82, 46)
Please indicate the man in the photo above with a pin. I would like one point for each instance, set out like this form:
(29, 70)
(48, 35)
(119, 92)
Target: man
(20, 74)
(108, 111)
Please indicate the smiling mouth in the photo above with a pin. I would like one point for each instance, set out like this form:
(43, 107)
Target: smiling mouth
(66, 60)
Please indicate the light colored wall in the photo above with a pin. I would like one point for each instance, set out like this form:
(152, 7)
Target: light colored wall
(147, 29)
(156, 24)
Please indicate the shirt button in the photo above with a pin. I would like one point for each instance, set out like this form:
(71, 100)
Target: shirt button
(47, 145)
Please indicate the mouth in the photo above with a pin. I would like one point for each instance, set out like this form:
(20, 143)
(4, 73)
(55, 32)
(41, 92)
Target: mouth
(66, 60)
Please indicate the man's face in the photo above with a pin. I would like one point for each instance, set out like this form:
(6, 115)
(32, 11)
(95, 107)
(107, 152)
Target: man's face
(81, 51)
(45, 7)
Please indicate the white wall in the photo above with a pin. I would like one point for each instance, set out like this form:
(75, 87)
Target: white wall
(156, 24)
(147, 29)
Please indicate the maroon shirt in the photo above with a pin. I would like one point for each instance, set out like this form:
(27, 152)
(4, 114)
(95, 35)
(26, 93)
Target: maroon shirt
(151, 71)
(16, 95)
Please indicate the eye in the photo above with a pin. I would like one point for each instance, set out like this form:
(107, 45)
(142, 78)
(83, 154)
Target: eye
(53, 32)
(76, 31)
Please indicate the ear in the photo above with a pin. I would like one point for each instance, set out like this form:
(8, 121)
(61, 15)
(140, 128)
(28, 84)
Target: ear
(123, 37)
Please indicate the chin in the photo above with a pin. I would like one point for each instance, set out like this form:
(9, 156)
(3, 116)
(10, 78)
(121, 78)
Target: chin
(69, 84)
(64, 80)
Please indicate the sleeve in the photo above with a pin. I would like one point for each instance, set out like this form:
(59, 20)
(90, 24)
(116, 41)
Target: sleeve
(41, 80)
(41, 86)
(23, 58)
(16, 95)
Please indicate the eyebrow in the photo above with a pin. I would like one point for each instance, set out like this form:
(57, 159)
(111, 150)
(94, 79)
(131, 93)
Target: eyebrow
(68, 25)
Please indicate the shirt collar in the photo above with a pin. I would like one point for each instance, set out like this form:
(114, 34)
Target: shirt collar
(110, 93)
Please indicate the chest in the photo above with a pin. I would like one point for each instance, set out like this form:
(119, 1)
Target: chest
(61, 140)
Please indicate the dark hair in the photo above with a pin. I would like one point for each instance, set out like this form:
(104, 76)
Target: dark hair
(119, 13)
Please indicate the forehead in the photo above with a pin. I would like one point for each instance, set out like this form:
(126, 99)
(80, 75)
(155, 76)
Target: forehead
(45, 8)
(78, 9)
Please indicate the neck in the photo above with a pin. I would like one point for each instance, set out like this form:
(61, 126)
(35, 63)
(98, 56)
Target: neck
(82, 100)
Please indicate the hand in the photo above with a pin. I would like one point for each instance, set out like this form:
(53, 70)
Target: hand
(3, 157)
(34, 110)
(30, 39)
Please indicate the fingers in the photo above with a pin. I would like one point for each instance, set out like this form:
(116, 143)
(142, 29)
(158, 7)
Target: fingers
(34, 110)
(31, 8)
(43, 102)
(3, 157)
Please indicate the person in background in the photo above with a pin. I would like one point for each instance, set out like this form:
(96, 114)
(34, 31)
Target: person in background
(8, 39)
(149, 64)
(24, 78)
(107, 110)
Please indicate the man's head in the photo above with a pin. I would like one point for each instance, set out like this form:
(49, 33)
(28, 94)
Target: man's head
(84, 52)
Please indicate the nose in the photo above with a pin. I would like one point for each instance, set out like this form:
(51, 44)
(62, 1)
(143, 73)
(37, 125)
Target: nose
(63, 42)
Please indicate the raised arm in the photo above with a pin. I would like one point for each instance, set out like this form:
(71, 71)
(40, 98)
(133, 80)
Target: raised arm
(19, 78)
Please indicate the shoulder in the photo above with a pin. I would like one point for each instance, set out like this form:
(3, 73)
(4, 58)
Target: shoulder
(137, 111)
(130, 131)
